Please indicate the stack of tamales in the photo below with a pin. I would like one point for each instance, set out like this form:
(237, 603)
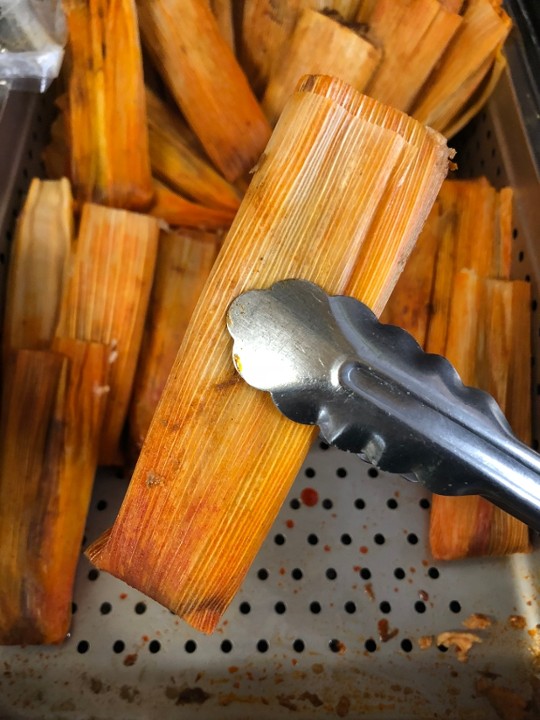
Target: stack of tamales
(183, 198)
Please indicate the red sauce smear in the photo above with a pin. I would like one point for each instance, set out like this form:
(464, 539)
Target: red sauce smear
(309, 497)
(327, 548)
(385, 634)
(123, 596)
(363, 549)
(289, 523)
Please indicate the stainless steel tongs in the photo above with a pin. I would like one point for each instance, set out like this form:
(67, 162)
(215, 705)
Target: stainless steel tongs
(372, 390)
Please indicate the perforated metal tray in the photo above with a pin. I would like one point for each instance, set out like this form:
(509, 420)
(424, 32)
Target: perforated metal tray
(347, 554)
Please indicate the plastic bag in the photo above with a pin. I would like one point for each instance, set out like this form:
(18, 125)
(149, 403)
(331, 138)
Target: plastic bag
(32, 38)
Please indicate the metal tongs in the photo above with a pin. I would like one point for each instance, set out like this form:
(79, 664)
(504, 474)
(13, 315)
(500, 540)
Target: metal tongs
(373, 391)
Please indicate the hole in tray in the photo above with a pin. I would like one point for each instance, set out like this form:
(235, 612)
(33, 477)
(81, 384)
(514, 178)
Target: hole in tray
(379, 539)
(455, 606)
(118, 646)
(280, 607)
(346, 539)
(515, 233)
(323, 445)
(534, 305)
(154, 646)
(341, 472)
(406, 645)
(190, 646)
(93, 574)
(327, 504)
(359, 504)
(442, 648)
(399, 573)
(335, 645)
(350, 607)
(373, 472)
(262, 574)
(297, 574)
(309, 472)
(315, 607)
(105, 608)
(420, 606)
(2, 259)
(312, 539)
(262, 646)
(412, 538)
(433, 573)
(279, 539)
(424, 503)
(294, 504)
(370, 645)
(299, 646)
(226, 646)
(521, 256)
(392, 503)
(365, 573)
(385, 607)
(83, 646)
(245, 608)
(73, 608)
(331, 573)
(140, 608)
(101, 505)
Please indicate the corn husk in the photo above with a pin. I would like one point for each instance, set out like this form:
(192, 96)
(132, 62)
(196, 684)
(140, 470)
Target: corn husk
(414, 36)
(108, 137)
(198, 509)
(347, 55)
(463, 66)
(106, 302)
(223, 11)
(176, 162)
(184, 262)
(48, 456)
(230, 124)
(39, 266)
(175, 210)
(485, 348)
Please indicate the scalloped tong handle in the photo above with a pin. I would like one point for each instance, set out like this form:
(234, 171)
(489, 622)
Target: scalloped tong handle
(372, 390)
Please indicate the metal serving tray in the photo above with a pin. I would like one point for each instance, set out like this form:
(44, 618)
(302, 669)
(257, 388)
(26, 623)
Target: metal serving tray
(346, 564)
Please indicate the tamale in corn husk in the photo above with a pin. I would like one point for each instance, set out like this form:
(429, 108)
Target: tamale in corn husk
(175, 210)
(307, 213)
(230, 125)
(108, 137)
(465, 63)
(175, 161)
(51, 429)
(413, 35)
(39, 266)
(347, 55)
(106, 301)
(223, 11)
(184, 261)
(488, 347)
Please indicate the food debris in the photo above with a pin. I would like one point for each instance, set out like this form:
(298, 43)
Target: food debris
(309, 497)
(422, 594)
(289, 523)
(425, 642)
(477, 621)
(130, 660)
(517, 622)
(368, 589)
(313, 698)
(343, 706)
(462, 641)
(385, 634)
(192, 696)
(507, 704)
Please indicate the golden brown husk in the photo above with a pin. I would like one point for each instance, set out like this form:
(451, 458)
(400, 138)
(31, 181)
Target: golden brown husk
(196, 514)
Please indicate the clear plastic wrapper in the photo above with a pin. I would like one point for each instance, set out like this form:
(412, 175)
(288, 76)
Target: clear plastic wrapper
(32, 38)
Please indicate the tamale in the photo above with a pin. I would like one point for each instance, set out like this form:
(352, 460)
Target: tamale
(347, 55)
(176, 210)
(484, 347)
(194, 518)
(414, 35)
(175, 161)
(106, 301)
(223, 11)
(48, 456)
(184, 261)
(465, 62)
(108, 137)
(183, 39)
(39, 266)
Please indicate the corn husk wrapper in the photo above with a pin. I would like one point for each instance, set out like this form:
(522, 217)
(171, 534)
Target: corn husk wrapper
(181, 536)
